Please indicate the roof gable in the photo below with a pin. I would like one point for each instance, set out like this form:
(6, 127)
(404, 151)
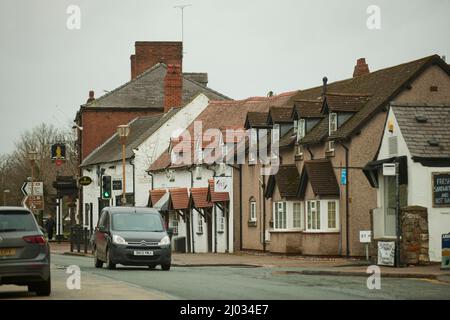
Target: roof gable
(286, 179)
(320, 174)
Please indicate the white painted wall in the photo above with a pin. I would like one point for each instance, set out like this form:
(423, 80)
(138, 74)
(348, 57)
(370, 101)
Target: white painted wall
(419, 190)
(145, 154)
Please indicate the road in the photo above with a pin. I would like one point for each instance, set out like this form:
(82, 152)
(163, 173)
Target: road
(220, 283)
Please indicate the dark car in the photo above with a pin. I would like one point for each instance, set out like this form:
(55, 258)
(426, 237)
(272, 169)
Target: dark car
(24, 252)
(131, 236)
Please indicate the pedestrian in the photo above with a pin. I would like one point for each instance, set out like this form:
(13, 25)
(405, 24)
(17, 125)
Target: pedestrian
(49, 226)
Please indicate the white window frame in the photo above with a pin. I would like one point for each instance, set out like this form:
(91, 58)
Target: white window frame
(335, 214)
(175, 226)
(300, 218)
(199, 223)
(323, 215)
(332, 123)
(221, 222)
(252, 208)
(301, 129)
(280, 215)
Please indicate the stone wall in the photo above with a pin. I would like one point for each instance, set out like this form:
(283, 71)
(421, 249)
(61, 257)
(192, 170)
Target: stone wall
(415, 240)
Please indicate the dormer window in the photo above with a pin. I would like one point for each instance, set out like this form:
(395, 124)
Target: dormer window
(333, 123)
(301, 129)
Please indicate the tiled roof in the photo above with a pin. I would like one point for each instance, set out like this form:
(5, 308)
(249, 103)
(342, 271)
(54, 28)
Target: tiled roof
(179, 198)
(280, 115)
(382, 86)
(147, 91)
(256, 119)
(317, 134)
(199, 198)
(287, 179)
(425, 128)
(155, 195)
(225, 113)
(339, 102)
(320, 174)
(140, 129)
(308, 108)
(216, 196)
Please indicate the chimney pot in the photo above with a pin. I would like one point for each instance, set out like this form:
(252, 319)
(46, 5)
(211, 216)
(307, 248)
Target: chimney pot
(361, 67)
(91, 96)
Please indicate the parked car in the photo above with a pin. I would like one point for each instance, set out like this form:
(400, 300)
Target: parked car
(24, 252)
(132, 236)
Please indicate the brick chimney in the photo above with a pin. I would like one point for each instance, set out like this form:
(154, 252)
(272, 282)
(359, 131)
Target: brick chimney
(149, 53)
(91, 97)
(361, 67)
(173, 87)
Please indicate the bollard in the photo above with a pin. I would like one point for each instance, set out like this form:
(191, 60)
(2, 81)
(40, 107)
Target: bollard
(71, 239)
(85, 239)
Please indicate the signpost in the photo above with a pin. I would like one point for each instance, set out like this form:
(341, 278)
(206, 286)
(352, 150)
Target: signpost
(365, 236)
(38, 188)
(36, 202)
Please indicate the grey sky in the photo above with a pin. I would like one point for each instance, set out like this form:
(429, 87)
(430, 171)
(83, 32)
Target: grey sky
(247, 47)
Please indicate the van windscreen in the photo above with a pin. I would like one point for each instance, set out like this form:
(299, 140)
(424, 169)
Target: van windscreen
(137, 222)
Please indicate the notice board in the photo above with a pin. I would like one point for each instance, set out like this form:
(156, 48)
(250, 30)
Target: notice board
(440, 184)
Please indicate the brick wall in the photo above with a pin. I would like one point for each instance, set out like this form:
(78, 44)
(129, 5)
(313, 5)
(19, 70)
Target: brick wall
(149, 53)
(99, 125)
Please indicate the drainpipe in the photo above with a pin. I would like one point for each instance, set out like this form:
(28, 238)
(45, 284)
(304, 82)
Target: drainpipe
(191, 220)
(347, 222)
(240, 208)
(134, 180)
(310, 153)
(263, 187)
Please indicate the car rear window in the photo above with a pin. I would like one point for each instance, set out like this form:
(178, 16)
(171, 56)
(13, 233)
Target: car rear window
(137, 222)
(11, 221)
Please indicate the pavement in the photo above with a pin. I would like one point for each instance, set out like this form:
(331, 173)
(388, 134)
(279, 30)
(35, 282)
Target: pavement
(302, 265)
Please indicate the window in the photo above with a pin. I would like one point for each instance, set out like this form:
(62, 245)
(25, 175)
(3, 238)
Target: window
(252, 210)
(314, 215)
(199, 223)
(253, 146)
(279, 215)
(300, 129)
(174, 224)
(332, 123)
(221, 224)
(330, 146)
(297, 215)
(331, 214)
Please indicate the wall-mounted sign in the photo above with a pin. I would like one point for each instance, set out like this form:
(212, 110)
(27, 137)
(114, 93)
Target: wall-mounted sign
(85, 181)
(117, 184)
(389, 169)
(446, 251)
(386, 253)
(365, 236)
(222, 184)
(441, 189)
(344, 177)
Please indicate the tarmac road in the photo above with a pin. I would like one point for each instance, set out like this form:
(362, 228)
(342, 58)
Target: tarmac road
(256, 283)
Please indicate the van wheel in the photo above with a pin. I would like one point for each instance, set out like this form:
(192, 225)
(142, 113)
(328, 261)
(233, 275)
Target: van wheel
(98, 262)
(165, 267)
(109, 264)
(42, 289)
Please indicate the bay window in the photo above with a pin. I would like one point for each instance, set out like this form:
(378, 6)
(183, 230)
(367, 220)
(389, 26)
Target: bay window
(297, 215)
(322, 215)
(279, 215)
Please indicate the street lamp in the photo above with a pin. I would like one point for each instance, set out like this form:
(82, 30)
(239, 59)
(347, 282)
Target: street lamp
(32, 156)
(4, 196)
(123, 131)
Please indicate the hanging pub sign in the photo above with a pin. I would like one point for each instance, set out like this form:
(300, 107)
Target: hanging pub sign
(58, 151)
(441, 189)
(84, 181)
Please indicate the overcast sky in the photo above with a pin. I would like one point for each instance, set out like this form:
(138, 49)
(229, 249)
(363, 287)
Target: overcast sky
(247, 47)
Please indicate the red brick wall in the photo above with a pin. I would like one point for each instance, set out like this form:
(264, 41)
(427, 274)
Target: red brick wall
(99, 125)
(173, 87)
(149, 53)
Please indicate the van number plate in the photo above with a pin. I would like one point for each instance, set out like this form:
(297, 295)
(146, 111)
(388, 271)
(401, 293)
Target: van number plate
(143, 253)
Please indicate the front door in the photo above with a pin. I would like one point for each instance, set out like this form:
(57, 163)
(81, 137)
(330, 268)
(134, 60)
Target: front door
(390, 206)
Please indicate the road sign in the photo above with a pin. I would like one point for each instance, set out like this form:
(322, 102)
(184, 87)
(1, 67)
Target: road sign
(38, 188)
(365, 236)
(36, 201)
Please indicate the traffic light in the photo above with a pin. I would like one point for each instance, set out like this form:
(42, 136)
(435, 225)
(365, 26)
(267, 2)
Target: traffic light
(106, 187)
